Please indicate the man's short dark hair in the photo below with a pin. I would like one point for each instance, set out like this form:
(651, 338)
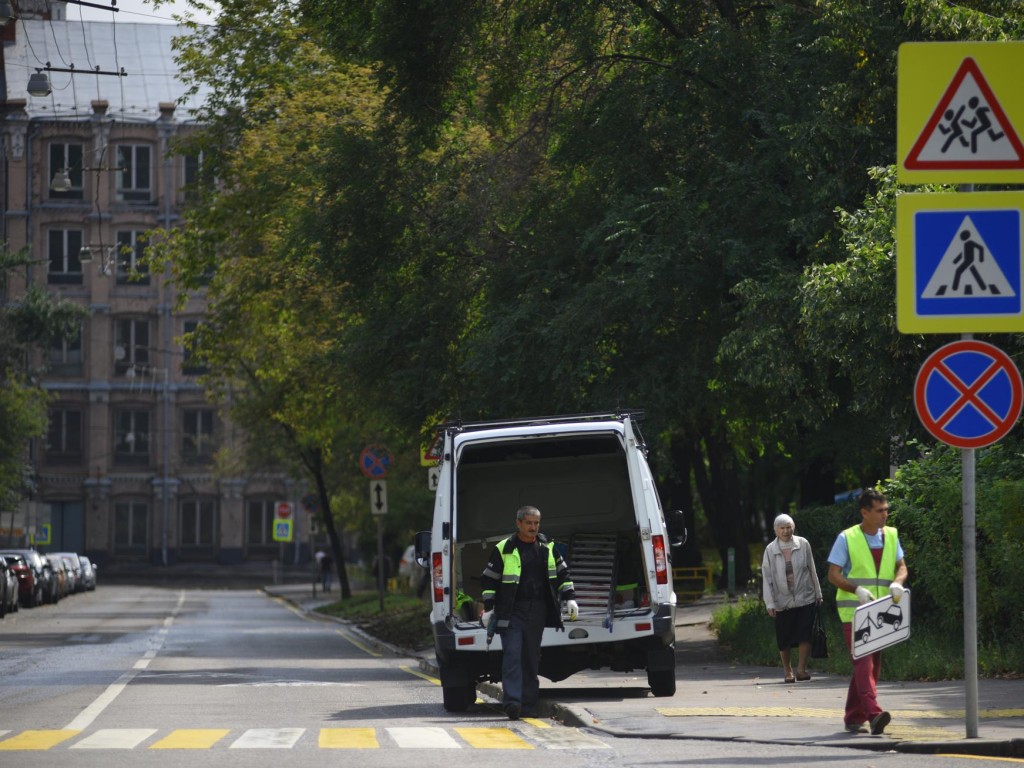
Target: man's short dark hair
(869, 497)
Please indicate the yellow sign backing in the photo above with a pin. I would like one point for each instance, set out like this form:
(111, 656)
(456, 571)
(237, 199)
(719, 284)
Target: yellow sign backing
(960, 113)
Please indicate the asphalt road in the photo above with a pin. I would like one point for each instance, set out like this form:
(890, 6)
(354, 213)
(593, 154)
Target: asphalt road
(139, 676)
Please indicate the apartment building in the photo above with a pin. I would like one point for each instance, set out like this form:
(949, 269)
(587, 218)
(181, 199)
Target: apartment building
(129, 470)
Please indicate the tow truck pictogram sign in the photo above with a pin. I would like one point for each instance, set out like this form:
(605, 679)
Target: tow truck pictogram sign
(960, 112)
(959, 262)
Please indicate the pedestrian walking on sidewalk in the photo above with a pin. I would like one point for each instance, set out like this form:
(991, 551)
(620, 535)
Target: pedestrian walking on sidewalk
(792, 594)
(866, 563)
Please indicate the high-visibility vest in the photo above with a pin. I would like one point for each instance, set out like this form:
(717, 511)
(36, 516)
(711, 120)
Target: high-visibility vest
(862, 568)
(512, 566)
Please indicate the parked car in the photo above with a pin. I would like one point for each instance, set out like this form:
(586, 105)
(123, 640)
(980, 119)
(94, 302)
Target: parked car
(26, 587)
(8, 588)
(88, 573)
(74, 569)
(42, 587)
(60, 575)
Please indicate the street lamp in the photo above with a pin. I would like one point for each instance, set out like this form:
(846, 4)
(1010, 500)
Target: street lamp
(39, 84)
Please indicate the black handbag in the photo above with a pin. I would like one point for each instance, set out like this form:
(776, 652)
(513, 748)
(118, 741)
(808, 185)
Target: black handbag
(819, 639)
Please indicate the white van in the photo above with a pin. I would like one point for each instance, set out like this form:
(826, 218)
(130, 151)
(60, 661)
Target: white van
(589, 477)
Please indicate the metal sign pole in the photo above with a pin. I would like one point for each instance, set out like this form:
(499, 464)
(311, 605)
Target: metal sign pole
(380, 562)
(970, 596)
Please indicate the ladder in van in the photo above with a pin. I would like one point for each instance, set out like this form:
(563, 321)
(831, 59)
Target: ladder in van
(592, 568)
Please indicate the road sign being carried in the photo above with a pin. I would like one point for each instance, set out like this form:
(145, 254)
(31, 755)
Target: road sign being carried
(959, 262)
(879, 624)
(960, 111)
(968, 394)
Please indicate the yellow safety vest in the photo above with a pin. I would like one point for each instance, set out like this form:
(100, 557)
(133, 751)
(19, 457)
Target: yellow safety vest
(862, 568)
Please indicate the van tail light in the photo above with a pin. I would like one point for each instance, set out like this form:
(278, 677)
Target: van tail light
(660, 560)
(437, 575)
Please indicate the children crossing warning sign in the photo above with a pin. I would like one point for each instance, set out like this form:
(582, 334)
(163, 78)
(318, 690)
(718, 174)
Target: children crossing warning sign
(959, 262)
(960, 112)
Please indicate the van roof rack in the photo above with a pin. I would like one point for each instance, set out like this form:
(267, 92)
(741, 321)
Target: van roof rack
(458, 425)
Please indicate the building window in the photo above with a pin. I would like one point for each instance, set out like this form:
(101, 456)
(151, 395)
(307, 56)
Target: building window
(131, 436)
(190, 365)
(259, 519)
(193, 168)
(197, 444)
(64, 355)
(131, 268)
(64, 246)
(134, 176)
(131, 347)
(66, 158)
(131, 520)
(198, 523)
(64, 438)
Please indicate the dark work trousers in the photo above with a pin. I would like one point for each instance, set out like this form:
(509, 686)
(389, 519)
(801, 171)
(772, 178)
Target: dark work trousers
(520, 662)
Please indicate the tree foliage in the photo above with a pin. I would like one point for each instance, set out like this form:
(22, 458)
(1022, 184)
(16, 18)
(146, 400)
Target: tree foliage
(32, 321)
(466, 208)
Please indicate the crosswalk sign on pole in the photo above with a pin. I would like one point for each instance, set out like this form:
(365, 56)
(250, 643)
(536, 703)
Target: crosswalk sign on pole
(960, 112)
(959, 262)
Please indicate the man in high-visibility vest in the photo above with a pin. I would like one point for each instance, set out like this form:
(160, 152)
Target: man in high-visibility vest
(866, 563)
(524, 583)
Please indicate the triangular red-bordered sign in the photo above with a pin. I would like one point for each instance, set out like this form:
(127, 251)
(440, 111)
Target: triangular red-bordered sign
(915, 162)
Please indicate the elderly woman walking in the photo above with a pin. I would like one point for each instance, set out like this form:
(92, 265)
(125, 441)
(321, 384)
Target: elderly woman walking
(791, 594)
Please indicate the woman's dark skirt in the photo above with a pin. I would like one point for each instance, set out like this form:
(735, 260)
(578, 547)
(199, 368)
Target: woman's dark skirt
(793, 626)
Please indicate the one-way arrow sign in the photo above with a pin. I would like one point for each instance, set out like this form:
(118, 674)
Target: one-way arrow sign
(378, 497)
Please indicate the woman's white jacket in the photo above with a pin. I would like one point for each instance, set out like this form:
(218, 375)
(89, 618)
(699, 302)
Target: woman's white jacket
(806, 589)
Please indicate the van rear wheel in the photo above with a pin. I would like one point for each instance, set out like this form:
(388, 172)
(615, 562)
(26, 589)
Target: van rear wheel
(662, 682)
(457, 698)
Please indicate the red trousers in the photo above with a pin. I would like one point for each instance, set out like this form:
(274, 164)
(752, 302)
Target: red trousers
(862, 697)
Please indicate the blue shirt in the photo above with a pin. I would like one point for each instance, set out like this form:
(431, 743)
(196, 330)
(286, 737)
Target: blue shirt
(840, 554)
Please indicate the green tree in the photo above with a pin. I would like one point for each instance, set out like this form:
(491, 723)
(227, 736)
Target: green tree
(33, 320)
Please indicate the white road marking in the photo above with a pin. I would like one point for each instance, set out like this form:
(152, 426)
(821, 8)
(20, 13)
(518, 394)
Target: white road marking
(423, 738)
(268, 738)
(114, 738)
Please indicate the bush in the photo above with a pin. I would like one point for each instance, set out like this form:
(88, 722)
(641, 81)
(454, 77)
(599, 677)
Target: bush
(926, 501)
(404, 623)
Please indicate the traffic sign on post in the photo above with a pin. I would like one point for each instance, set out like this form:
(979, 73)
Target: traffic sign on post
(378, 497)
(959, 262)
(283, 509)
(968, 394)
(282, 530)
(960, 112)
(374, 461)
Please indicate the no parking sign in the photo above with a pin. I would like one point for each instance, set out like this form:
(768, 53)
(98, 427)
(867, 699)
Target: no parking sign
(968, 394)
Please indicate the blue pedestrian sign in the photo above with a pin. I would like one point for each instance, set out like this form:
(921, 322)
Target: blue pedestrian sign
(968, 394)
(959, 262)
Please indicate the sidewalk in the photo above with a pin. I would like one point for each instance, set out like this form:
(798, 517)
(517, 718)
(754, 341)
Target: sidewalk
(721, 701)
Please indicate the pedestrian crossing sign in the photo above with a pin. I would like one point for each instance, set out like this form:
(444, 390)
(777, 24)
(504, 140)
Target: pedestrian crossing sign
(960, 112)
(959, 262)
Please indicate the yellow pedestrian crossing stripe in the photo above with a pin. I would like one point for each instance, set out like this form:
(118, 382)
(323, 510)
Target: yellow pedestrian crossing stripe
(525, 735)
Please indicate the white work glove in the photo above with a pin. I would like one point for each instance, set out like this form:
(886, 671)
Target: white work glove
(864, 596)
(485, 617)
(896, 590)
(572, 609)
